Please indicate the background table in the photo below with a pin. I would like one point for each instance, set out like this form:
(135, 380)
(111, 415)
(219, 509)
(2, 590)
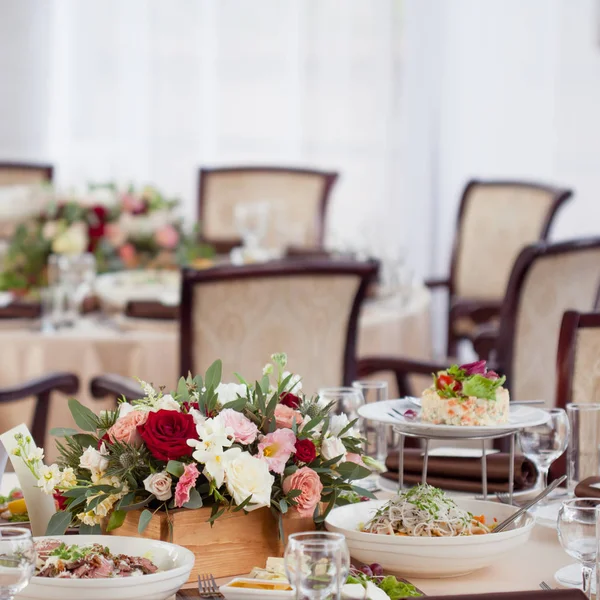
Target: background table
(150, 351)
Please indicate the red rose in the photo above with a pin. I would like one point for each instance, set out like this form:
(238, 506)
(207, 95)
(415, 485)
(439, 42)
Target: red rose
(305, 451)
(96, 225)
(289, 399)
(105, 439)
(187, 406)
(60, 500)
(166, 433)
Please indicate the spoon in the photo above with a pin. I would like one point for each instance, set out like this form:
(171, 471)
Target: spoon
(502, 526)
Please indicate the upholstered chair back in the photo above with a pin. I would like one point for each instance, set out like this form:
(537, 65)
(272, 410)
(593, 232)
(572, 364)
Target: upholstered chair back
(24, 174)
(243, 315)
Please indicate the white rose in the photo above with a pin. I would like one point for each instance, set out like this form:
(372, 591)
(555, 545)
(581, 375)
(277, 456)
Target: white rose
(49, 230)
(124, 409)
(337, 423)
(73, 240)
(294, 385)
(199, 418)
(227, 392)
(94, 460)
(167, 402)
(246, 476)
(331, 447)
(159, 484)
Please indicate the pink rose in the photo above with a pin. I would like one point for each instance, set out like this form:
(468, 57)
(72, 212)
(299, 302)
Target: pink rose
(244, 430)
(167, 237)
(128, 255)
(354, 458)
(285, 416)
(276, 448)
(307, 481)
(115, 234)
(134, 204)
(186, 482)
(125, 429)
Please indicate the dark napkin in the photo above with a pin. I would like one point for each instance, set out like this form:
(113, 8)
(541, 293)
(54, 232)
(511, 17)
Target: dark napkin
(462, 474)
(151, 310)
(584, 488)
(533, 595)
(21, 310)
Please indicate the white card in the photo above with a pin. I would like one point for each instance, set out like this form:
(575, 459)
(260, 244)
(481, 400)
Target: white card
(449, 452)
(3, 461)
(595, 485)
(40, 506)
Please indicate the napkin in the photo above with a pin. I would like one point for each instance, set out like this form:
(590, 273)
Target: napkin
(148, 309)
(462, 474)
(20, 310)
(588, 488)
(533, 595)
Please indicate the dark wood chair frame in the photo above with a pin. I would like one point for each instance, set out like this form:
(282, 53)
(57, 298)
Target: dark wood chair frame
(42, 387)
(118, 386)
(482, 312)
(367, 271)
(225, 245)
(48, 170)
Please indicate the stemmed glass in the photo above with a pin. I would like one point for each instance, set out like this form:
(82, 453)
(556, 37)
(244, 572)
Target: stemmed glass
(375, 391)
(346, 400)
(251, 219)
(17, 560)
(317, 564)
(577, 534)
(544, 443)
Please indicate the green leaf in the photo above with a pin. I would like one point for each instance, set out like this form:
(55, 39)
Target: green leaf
(272, 406)
(239, 404)
(116, 519)
(126, 500)
(293, 494)
(240, 379)
(97, 500)
(351, 471)
(283, 384)
(213, 375)
(138, 505)
(347, 428)
(311, 424)
(85, 440)
(83, 416)
(145, 519)
(90, 530)
(63, 431)
(182, 390)
(242, 504)
(283, 506)
(482, 387)
(265, 384)
(59, 522)
(363, 492)
(75, 492)
(195, 500)
(175, 467)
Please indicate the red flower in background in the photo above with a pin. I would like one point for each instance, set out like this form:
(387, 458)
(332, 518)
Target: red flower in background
(166, 433)
(96, 224)
(305, 451)
(61, 501)
(289, 399)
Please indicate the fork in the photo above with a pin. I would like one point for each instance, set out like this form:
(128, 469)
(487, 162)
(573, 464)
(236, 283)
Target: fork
(208, 588)
(545, 586)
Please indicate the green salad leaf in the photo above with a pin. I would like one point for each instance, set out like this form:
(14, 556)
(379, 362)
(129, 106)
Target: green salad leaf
(482, 387)
(398, 589)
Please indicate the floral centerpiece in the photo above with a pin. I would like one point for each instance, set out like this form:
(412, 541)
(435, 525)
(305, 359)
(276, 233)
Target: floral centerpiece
(228, 446)
(124, 229)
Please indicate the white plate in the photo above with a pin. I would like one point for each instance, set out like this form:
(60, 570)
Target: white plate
(519, 417)
(175, 564)
(570, 577)
(233, 593)
(429, 557)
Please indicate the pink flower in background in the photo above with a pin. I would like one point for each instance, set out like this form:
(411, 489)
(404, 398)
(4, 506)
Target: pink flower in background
(186, 482)
(308, 482)
(115, 234)
(128, 255)
(285, 416)
(244, 430)
(125, 429)
(135, 205)
(276, 448)
(354, 458)
(167, 237)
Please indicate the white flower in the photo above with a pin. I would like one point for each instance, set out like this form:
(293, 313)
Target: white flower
(199, 418)
(49, 479)
(227, 392)
(159, 484)
(36, 454)
(94, 460)
(73, 240)
(214, 433)
(216, 462)
(246, 476)
(322, 403)
(68, 478)
(267, 369)
(124, 409)
(331, 447)
(337, 423)
(149, 391)
(167, 402)
(294, 384)
(89, 518)
(49, 230)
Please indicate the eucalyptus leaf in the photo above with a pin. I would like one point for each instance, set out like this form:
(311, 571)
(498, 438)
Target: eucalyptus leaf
(63, 431)
(283, 506)
(90, 530)
(238, 405)
(84, 418)
(175, 467)
(195, 500)
(59, 522)
(126, 500)
(265, 384)
(182, 390)
(85, 440)
(116, 519)
(240, 379)
(242, 504)
(352, 471)
(213, 375)
(144, 521)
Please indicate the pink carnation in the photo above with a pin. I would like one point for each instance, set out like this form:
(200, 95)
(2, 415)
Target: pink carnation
(244, 430)
(115, 234)
(308, 482)
(125, 429)
(285, 416)
(276, 448)
(186, 482)
(167, 237)
(354, 458)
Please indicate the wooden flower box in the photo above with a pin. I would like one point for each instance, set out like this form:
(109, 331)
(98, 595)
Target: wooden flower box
(235, 544)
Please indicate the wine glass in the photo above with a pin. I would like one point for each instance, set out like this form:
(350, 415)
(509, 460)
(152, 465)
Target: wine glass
(544, 443)
(317, 564)
(346, 400)
(17, 560)
(577, 534)
(251, 220)
(375, 391)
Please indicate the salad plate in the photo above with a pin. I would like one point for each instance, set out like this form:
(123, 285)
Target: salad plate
(405, 417)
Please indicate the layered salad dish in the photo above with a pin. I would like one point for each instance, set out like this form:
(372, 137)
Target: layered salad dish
(466, 395)
(13, 507)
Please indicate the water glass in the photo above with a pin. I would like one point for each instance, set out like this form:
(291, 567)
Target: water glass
(577, 535)
(346, 400)
(375, 391)
(544, 443)
(317, 564)
(251, 220)
(583, 455)
(17, 560)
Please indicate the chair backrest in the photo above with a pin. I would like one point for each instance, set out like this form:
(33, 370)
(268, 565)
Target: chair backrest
(496, 220)
(546, 281)
(578, 359)
(243, 314)
(296, 197)
(12, 173)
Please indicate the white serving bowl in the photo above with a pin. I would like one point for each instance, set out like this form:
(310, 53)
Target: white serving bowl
(174, 562)
(424, 556)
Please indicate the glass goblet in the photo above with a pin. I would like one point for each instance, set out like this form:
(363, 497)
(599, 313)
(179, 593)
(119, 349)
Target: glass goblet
(577, 535)
(17, 560)
(346, 400)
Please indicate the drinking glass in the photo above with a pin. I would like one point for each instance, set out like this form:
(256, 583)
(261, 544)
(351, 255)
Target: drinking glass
(544, 443)
(17, 560)
(375, 391)
(347, 400)
(583, 455)
(317, 564)
(251, 220)
(577, 535)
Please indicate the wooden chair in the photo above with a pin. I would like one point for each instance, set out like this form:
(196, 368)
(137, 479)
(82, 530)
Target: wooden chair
(14, 173)
(546, 281)
(308, 309)
(149, 309)
(296, 196)
(67, 383)
(117, 386)
(496, 220)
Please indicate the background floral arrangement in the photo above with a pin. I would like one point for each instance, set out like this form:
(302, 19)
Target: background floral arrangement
(229, 446)
(124, 229)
